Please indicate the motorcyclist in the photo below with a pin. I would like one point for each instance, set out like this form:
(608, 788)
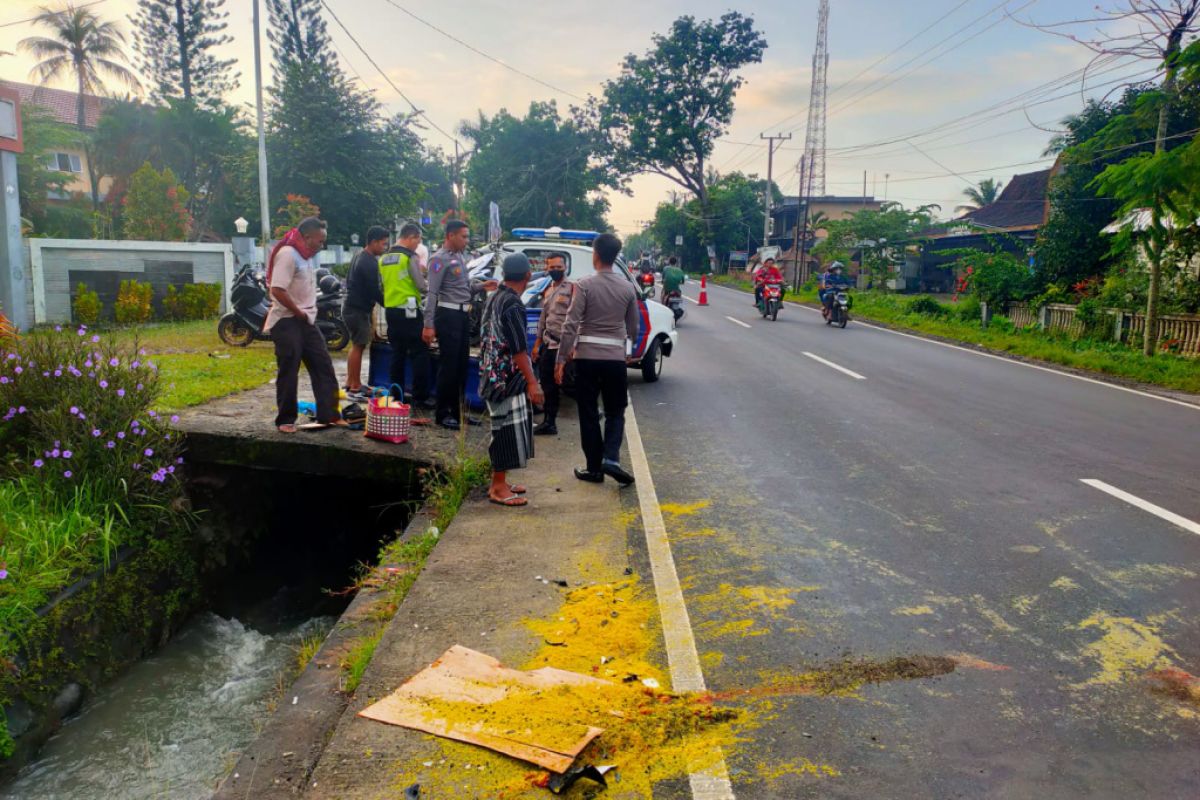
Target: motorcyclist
(673, 278)
(767, 273)
(832, 279)
(645, 267)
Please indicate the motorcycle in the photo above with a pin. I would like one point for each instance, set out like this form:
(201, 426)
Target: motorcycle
(251, 302)
(645, 283)
(674, 301)
(770, 300)
(837, 312)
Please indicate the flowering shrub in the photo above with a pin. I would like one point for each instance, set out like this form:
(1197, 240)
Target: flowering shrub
(75, 409)
(156, 206)
(86, 306)
(193, 301)
(134, 303)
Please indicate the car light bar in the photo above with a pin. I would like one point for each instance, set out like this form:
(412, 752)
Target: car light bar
(555, 234)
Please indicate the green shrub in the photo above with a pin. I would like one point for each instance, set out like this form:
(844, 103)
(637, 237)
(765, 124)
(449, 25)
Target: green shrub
(135, 303)
(970, 309)
(926, 305)
(1090, 314)
(86, 306)
(996, 277)
(195, 301)
(1002, 324)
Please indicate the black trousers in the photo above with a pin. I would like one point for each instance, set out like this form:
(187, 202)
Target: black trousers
(453, 334)
(404, 335)
(597, 380)
(298, 343)
(545, 365)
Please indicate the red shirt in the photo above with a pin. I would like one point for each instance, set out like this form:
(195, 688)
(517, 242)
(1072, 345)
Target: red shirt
(768, 275)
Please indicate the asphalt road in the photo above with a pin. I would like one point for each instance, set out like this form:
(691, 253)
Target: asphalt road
(935, 507)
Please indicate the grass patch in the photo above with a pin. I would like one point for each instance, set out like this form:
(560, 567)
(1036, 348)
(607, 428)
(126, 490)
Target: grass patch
(446, 489)
(195, 365)
(309, 646)
(356, 661)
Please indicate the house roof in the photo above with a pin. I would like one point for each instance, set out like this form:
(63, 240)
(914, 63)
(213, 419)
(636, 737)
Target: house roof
(61, 103)
(1022, 204)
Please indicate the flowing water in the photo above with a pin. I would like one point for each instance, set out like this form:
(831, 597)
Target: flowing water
(173, 724)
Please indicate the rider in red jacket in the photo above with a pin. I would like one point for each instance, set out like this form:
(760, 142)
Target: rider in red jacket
(767, 273)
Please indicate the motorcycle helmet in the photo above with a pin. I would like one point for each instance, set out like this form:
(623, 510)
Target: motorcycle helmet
(835, 266)
(329, 283)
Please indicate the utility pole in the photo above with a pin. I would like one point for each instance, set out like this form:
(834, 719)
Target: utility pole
(771, 146)
(806, 168)
(800, 211)
(264, 210)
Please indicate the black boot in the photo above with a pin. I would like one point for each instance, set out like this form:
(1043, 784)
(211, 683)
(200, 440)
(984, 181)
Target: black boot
(547, 428)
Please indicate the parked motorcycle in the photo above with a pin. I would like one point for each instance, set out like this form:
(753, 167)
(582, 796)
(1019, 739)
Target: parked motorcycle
(770, 300)
(674, 301)
(838, 310)
(251, 301)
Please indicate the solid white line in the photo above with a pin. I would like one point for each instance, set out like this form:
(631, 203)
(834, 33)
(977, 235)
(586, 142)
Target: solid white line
(1052, 370)
(685, 297)
(832, 365)
(738, 322)
(682, 658)
(1144, 505)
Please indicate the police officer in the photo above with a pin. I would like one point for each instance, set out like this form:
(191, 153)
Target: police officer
(447, 313)
(402, 283)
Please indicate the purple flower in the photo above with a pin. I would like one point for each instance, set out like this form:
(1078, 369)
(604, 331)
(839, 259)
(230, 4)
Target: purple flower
(140, 387)
(3, 574)
(82, 415)
(142, 352)
(153, 413)
(58, 328)
(148, 452)
(171, 469)
(179, 460)
(81, 331)
(137, 466)
(91, 374)
(38, 463)
(18, 370)
(55, 453)
(58, 373)
(120, 392)
(151, 365)
(135, 364)
(74, 410)
(133, 424)
(57, 443)
(114, 361)
(67, 453)
(103, 384)
(21, 409)
(46, 374)
(88, 363)
(96, 433)
(111, 444)
(66, 473)
(174, 418)
(120, 434)
(168, 437)
(95, 339)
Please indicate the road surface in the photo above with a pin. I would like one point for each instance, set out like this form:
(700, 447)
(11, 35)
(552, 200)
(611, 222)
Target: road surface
(838, 499)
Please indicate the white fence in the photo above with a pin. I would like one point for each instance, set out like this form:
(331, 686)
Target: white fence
(1177, 332)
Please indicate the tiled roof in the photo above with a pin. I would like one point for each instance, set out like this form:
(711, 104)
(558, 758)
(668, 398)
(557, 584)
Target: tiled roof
(1022, 204)
(61, 103)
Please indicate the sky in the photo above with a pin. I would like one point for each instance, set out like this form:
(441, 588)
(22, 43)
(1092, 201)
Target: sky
(925, 97)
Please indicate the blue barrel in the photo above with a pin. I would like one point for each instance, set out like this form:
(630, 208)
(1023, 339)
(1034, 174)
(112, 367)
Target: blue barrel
(380, 365)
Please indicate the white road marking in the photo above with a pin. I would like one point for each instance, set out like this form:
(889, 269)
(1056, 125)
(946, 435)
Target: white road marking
(682, 658)
(685, 297)
(832, 365)
(738, 322)
(1144, 505)
(1151, 395)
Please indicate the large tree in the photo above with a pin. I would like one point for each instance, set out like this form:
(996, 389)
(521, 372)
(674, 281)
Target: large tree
(539, 169)
(733, 222)
(298, 34)
(666, 109)
(43, 137)
(82, 47)
(174, 40)
(877, 237)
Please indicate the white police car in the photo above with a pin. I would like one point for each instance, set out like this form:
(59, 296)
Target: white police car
(656, 337)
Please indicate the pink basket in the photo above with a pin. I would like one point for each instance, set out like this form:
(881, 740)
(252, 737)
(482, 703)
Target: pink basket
(388, 423)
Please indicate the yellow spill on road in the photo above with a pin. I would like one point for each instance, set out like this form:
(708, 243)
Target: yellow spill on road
(1126, 648)
(801, 767)
(1064, 584)
(1024, 603)
(1151, 576)
(913, 611)
(684, 509)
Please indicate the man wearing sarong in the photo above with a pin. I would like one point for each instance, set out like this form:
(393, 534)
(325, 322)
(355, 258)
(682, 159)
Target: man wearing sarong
(507, 382)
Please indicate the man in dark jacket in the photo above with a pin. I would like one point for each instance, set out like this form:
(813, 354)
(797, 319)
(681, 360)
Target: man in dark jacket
(363, 293)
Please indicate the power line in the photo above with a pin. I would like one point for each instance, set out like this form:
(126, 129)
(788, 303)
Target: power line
(384, 75)
(488, 56)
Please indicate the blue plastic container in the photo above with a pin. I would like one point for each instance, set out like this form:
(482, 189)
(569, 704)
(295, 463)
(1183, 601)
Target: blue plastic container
(381, 360)
(532, 316)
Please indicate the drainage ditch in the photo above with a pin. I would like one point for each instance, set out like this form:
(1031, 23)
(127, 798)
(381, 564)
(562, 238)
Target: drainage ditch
(276, 550)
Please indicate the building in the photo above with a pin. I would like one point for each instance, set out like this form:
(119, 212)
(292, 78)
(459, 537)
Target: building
(1010, 223)
(787, 214)
(63, 106)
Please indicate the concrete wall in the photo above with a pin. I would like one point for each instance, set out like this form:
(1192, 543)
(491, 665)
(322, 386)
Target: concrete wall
(56, 265)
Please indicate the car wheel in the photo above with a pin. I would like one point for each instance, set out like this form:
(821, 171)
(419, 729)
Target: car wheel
(652, 362)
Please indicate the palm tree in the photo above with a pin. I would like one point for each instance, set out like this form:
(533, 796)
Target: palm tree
(83, 47)
(982, 195)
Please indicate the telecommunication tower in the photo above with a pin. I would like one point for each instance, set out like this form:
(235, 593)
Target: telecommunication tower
(814, 136)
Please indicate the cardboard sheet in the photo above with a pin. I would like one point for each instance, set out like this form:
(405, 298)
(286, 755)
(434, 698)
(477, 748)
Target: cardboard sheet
(463, 678)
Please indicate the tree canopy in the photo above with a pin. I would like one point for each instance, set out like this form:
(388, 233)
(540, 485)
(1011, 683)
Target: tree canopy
(174, 40)
(877, 237)
(734, 218)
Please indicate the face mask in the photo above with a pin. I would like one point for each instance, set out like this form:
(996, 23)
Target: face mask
(557, 275)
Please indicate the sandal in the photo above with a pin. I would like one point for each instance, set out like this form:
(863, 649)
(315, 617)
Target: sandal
(516, 488)
(512, 501)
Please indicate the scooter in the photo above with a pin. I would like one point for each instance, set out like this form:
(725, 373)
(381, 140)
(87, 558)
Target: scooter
(838, 310)
(250, 301)
(674, 301)
(770, 300)
(645, 283)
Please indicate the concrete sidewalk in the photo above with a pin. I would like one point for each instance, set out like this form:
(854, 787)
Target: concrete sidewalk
(476, 589)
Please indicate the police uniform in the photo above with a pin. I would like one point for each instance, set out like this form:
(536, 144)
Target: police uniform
(447, 311)
(401, 285)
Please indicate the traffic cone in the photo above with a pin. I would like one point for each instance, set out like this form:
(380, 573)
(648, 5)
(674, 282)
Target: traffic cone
(703, 290)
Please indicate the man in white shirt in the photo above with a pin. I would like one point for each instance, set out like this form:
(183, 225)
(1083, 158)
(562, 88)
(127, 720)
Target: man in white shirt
(291, 278)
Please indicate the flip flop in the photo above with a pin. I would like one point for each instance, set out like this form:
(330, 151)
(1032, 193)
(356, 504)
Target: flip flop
(512, 501)
(517, 488)
(290, 428)
(313, 426)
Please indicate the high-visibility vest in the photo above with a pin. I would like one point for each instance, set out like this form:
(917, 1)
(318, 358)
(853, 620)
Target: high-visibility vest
(398, 284)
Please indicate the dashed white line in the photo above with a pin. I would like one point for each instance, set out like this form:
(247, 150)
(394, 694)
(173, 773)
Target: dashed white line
(738, 322)
(832, 365)
(1145, 505)
(685, 297)
(712, 782)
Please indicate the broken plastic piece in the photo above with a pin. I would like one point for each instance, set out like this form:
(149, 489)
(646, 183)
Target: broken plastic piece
(650, 683)
(413, 792)
(560, 783)
(559, 582)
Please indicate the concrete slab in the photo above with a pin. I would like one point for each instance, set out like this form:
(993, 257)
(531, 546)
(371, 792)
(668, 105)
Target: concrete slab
(476, 589)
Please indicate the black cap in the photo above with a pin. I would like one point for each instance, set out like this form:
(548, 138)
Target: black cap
(516, 265)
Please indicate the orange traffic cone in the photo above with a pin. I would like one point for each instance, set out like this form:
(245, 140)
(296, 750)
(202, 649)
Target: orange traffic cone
(703, 290)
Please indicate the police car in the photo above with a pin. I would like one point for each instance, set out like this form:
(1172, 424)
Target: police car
(656, 337)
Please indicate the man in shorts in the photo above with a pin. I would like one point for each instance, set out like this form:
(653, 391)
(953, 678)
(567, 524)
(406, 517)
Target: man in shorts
(363, 293)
